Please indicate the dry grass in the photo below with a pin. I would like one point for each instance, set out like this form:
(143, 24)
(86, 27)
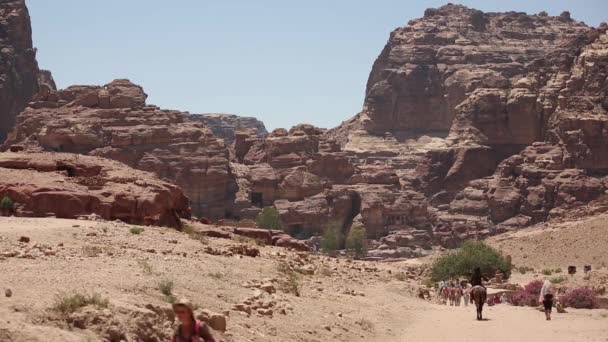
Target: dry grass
(91, 251)
(365, 324)
(400, 276)
(66, 303)
(165, 287)
(146, 267)
(292, 281)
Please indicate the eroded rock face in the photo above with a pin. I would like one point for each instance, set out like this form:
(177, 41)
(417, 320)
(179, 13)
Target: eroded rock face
(113, 121)
(226, 126)
(19, 73)
(69, 185)
(491, 131)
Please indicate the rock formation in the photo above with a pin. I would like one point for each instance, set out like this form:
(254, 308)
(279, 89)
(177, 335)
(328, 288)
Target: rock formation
(115, 122)
(454, 94)
(19, 73)
(473, 124)
(225, 126)
(68, 186)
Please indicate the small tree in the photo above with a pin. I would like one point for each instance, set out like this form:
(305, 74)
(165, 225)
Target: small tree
(472, 254)
(7, 203)
(269, 218)
(356, 242)
(332, 238)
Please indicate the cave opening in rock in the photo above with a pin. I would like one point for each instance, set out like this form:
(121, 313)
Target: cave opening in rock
(71, 171)
(257, 199)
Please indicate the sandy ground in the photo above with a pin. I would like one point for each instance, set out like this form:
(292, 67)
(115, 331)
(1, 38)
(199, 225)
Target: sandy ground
(354, 301)
(580, 243)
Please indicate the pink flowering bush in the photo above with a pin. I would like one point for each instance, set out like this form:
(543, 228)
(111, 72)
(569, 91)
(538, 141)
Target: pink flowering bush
(534, 287)
(580, 298)
(529, 295)
(523, 298)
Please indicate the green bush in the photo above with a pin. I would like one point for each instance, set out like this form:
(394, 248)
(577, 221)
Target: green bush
(472, 254)
(558, 280)
(557, 270)
(547, 272)
(269, 218)
(356, 242)
(69, 303)
(6, 203)
(136, 230)
(332, 238)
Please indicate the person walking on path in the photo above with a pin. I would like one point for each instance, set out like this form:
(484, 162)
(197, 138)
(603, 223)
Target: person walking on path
(190, 329)
(546, 297)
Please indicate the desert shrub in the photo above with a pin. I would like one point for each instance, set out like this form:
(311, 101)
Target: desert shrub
(534, 287)
(165, 287)
(524, 298)
(216, 275)
(400, 276)
(7, 203)
(292, 281)
(188, 229)
(558, 280)
(580, 298)
(136, 230)
(269, 218)
(356, 242)
(472, 254)
(69, 303)
(557, 270)
(547, 271)
(365, 324)
(332, 238)
(146, 267)
(525, 269)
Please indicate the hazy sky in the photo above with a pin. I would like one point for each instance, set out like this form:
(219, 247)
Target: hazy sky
(283, 61)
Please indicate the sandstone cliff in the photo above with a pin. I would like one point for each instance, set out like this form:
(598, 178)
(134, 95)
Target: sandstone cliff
(454, 94)
(19, 73)
(225, 126)
(115, 122)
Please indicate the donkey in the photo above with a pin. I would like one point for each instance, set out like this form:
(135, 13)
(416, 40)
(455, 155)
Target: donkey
(479, 295)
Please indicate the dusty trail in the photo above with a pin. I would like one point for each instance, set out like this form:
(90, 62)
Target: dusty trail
(429, 322)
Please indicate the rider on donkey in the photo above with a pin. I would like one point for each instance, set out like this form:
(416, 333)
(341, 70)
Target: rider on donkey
(477, 277)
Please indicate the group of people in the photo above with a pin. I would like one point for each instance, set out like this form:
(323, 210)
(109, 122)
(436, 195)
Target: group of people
(453, 292)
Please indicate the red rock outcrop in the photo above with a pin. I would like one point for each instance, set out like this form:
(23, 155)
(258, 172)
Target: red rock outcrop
(115, 122)
(226, 126)
(68, 186)
(19, 73)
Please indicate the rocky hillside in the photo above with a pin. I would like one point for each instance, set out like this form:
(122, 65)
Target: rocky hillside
(114, 121)
(225, 126)
(19, 73)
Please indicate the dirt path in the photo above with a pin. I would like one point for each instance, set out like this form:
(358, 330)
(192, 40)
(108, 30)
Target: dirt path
(503, 323)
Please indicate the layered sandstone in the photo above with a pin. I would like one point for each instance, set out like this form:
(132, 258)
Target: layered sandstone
(19, 73)
(226, 126)
(114, 121)
(454, 97)
(69, 186)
